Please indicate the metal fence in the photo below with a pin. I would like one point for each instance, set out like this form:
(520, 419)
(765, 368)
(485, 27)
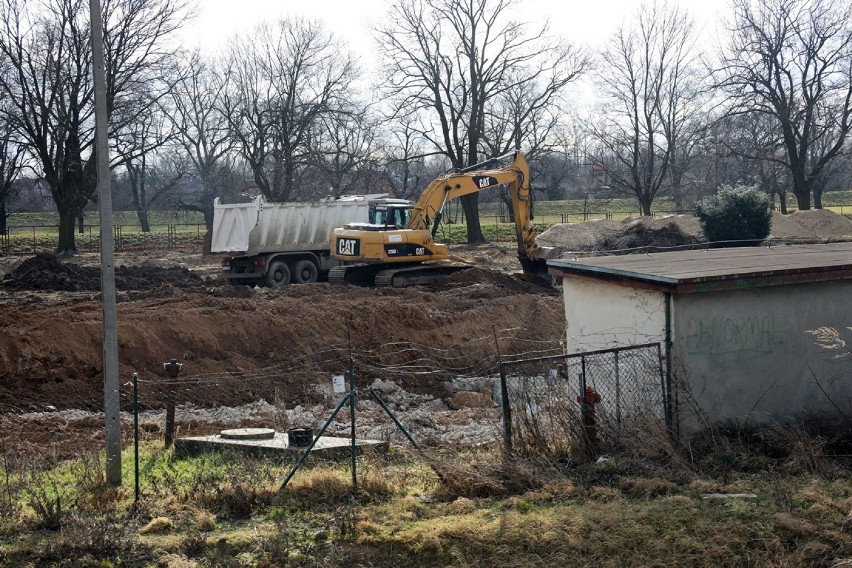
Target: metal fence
(34, 239)
(607, 394)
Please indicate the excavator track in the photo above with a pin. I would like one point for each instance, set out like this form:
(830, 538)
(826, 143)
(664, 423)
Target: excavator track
(354, 274)
(381, 276)
(414, 275)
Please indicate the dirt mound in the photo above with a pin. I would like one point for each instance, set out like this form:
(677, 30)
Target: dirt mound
(579, 236)
(646, 233)
(491, 280)
(633, 232)
(823, 223)
(48, 272)
(686, 224)
(645, 237)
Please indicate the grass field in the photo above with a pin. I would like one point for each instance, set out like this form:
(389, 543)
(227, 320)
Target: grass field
(226, 510)
(37, 232)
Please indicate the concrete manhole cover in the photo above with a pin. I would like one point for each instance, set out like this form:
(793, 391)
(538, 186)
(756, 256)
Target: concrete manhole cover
(248, 434)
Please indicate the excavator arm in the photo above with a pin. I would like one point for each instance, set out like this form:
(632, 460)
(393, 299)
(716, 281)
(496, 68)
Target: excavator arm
(429, 207)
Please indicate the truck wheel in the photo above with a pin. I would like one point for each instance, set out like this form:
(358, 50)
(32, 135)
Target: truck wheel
(305, 272)
(278, 275)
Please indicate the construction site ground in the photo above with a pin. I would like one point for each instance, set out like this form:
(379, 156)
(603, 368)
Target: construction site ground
(241, 345)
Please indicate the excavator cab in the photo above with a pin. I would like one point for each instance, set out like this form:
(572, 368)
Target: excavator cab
(390, 215)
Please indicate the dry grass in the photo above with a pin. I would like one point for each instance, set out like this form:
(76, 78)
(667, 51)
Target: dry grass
(466, 508)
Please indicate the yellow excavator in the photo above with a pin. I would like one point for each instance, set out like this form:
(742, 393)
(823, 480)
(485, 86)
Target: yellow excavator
(403, 252)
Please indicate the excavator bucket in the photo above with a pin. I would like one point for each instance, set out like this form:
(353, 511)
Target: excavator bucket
(536, 268)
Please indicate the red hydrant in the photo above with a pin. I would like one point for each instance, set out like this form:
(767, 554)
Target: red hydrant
(587, 401)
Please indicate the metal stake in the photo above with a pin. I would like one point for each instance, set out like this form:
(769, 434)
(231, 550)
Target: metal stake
(136, 436)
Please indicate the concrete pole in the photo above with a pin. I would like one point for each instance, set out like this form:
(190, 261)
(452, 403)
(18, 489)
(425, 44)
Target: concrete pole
(110, 331)
(172, 370)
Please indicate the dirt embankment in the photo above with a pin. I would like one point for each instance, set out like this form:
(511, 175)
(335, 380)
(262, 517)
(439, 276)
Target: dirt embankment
(51, 349)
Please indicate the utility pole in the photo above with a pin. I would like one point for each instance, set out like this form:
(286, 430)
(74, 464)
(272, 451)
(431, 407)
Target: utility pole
(110, 326)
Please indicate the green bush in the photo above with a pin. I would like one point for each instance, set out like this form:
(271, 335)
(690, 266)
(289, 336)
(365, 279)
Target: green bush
(735, 216)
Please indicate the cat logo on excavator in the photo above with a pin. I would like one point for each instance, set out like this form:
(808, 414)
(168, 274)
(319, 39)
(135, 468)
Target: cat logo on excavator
(348, 247)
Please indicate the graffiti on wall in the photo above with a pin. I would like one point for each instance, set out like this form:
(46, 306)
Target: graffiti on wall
(752, 336)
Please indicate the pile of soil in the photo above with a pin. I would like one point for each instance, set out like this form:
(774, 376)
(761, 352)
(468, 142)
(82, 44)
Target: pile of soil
(48, 272)
(517, 283)
(812, 224)
(642, 237)
(654, 233)
(579, 236)
(51, 351)
(639, 234)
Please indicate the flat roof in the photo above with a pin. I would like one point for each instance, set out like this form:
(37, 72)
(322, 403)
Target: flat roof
(715, 268)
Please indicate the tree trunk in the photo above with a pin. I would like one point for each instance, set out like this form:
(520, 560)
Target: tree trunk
(470, 204)
(3, 224)
(81, 223)
(67, 245)
(782, 201)
(802, 191)
(677, 189)
(142, 215)
(817, 198)
(645, 204)
(207, 207)
(803, 200)
(510, 211)
(678, 198)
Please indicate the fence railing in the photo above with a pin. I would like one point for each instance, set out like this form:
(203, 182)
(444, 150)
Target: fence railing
(34, 239)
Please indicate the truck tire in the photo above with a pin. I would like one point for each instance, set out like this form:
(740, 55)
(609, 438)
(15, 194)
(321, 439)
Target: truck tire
(278, 275)
(305, 272)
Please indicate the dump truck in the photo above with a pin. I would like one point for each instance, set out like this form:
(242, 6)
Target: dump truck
(276, 244)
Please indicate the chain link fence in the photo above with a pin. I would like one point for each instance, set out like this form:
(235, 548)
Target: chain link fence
(602, 397)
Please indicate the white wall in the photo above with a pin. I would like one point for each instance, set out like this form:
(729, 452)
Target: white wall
(602, 316)
(747, 357)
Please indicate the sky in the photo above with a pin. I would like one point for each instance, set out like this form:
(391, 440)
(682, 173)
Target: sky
(584, 22)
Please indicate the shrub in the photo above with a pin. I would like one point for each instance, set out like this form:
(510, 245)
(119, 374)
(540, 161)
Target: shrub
(735, 216)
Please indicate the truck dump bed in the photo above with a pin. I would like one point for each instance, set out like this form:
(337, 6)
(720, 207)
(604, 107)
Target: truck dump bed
(259, 227)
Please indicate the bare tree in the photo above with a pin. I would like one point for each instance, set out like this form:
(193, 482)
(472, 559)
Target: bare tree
(342, 147)
(137, 145)
(50, 87)
(11, 164)
(750, 152)
(647, 80)
(791, 60)
(285, 78)
(202, 133)
(447, 61)
(405, 156)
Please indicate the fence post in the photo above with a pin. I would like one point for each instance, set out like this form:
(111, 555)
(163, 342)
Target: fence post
(354, 449)
(617, 391)
(172, 369)
(504, 395)
(136, 437)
